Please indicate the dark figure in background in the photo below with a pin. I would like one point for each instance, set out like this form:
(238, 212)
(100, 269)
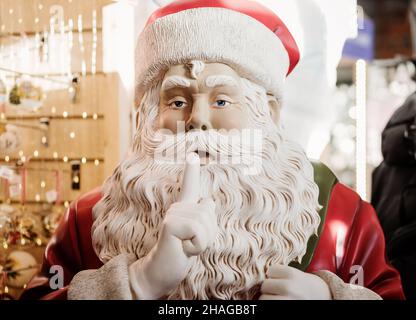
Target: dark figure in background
(394, 193)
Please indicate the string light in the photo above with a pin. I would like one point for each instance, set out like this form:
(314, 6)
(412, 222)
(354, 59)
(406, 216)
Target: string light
(42, 184)
(11, 11)
(21, 153)
(70, 46)
(72, 135)
(361, 116)
(44, 140)
(55, 155)
(84, 68)
(84, 160)
(2, 116)
(66, 204)
(7, 158)
(65, 114)
(23, 159)
(95, 116)
(36, 153)
(53, 110)
(94, 43)
(84, 115)
(36, 20)
(20, 21)
(97, 162)
(52, 25)
(62, 42)
(80, 35)
(71, 28)
(65, 159)
(40, 6)
(37, 197)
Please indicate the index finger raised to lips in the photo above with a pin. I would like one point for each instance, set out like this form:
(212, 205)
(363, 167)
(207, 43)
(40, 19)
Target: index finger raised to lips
(190, 190)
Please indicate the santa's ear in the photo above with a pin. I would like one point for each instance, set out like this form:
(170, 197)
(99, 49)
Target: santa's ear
(275, 107)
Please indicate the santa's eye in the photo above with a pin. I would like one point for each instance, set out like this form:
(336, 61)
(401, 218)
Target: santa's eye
(178, 104)
(221, 104)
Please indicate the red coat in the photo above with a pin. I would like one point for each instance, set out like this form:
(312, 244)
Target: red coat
(72, 248)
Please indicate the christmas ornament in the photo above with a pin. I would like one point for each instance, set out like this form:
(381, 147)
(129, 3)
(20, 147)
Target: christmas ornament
(30, 95)
(25, 94)
(6, 226)
(29, 228)
(9, 138)
(20, 268)
(14, 97)
(51, 221)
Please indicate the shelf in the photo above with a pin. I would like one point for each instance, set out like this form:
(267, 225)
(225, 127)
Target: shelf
(32, 202)
(59, 160)
(51, 117)
(33, 33)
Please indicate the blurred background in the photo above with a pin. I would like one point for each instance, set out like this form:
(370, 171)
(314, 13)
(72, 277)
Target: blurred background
(67, 114)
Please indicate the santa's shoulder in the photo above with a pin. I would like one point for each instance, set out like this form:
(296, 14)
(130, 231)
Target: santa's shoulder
(342, 212)
(339, 202)
(330, 188)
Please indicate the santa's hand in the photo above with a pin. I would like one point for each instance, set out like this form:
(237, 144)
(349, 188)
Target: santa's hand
(189, 227)
(287, 283)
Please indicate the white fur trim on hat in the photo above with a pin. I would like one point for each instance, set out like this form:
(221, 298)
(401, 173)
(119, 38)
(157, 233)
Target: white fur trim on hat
(212, 35)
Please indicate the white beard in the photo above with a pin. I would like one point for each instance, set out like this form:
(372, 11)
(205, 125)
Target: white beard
(263, 219)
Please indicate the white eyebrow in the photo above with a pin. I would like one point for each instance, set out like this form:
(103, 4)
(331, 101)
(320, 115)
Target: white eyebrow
(175, 81)
(220, 80)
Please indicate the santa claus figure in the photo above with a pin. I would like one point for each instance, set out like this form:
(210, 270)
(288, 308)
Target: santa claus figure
(199, 209)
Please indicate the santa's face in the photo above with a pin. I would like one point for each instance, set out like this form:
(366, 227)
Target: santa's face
(202, 97)
(210, 99)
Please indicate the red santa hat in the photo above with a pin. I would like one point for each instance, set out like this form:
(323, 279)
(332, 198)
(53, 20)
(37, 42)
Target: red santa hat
(246, 35)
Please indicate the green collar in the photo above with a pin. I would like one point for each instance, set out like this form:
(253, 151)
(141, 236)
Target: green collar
(326, 180)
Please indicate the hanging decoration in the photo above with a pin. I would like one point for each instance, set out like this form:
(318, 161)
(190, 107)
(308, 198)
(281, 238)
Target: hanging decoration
(14, 97)
(25, 94)
(73, 90)
(19, 268)
(9, 138)
(51, 221)
(6, 224)
(31, 96)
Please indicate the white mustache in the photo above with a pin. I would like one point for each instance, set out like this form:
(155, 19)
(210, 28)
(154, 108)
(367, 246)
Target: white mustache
(237, 147)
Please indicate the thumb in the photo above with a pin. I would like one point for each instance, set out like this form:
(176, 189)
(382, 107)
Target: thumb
(191, 177)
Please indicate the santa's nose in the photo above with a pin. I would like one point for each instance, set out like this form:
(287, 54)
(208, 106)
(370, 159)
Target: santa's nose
(200, 117)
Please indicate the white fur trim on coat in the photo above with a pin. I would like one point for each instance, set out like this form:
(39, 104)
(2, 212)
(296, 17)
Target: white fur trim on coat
(212, 35)
(110, 282)
(346, 291)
